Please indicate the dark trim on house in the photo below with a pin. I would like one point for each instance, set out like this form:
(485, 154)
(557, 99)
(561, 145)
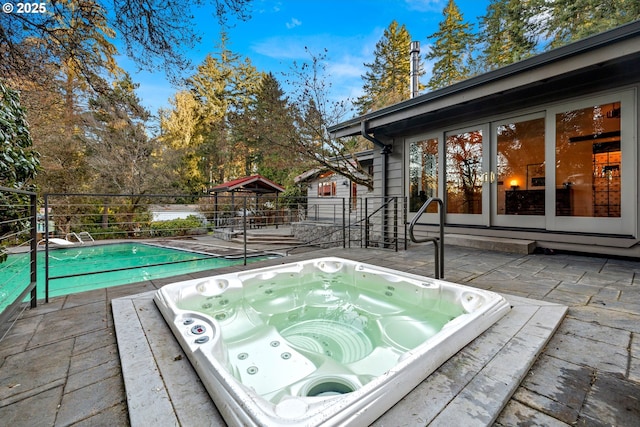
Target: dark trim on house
(384, 117)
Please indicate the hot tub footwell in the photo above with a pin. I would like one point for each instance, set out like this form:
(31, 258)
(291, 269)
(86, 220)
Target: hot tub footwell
(471, 388)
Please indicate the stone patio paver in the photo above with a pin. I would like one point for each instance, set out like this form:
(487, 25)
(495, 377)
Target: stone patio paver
(586, 376)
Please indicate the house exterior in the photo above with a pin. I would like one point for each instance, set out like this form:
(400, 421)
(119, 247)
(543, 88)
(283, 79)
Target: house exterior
(545, 149)
(326, 189)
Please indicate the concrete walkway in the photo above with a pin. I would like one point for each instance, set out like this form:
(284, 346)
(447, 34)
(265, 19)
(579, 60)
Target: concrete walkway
(60, 366)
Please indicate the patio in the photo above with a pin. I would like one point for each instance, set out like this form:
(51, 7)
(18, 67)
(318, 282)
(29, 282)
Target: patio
(60, 364)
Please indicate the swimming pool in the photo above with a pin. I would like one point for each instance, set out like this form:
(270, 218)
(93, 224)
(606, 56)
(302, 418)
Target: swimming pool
(85, 268)
(321, 342)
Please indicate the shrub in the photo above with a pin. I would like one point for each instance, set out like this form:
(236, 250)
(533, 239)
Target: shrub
(177, 227)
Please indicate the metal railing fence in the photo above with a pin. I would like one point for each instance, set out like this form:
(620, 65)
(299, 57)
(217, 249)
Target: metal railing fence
(235, 225)
(18, 273)
(382, 217)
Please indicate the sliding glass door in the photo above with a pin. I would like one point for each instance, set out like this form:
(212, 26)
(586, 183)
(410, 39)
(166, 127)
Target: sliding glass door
(593, 175)
(569, 167)
(518, 191)
(466, 175)
(423, 173)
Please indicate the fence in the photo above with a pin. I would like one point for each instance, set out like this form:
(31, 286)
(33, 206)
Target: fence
(17, 230)
(382, 218)
(365, 221)
(79, 226)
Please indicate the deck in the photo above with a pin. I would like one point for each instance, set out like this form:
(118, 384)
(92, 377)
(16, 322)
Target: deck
(61, 365)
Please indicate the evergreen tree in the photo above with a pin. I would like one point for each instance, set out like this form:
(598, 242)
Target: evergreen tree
(387, 80)
(452, 48)
(274, 131)
(225, 86)
(219, 96)
(179, 141)
(571, 20)
(19, 162)
(62, 55)
(72, 56)
(508, 32)
(118, 148)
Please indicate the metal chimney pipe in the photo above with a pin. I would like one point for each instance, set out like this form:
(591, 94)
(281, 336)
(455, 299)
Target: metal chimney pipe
(415, 68)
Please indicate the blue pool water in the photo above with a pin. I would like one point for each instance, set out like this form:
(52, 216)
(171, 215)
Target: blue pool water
(84, 268)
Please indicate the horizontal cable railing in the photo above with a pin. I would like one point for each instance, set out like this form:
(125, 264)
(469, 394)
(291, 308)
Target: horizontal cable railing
(17, 272)
(381, 222)
(199, 229)
(90, 241)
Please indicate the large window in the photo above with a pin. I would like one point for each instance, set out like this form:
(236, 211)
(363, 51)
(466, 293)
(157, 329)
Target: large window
(588, 161)
(464, 172)
(521, 167)
(570, 167)
(423, 173)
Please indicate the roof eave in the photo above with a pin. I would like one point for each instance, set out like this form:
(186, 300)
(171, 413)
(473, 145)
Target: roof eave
(589, 44)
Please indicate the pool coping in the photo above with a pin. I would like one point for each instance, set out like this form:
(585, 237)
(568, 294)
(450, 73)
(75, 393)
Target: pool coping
(470, 389)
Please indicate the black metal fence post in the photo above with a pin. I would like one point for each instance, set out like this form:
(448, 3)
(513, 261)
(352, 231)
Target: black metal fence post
(366, 223)
(405, 206)
(395, 222)
(344, 224)
(244, 229)
(34, 249)
(46, 248)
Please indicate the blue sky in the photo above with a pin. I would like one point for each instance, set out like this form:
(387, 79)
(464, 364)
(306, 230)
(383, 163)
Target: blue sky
(279, 30)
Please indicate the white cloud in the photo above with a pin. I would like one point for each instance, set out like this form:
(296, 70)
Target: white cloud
(266, 6)
(345, 76)
(426, 5)
(293, 23)
(345, 56)
(342, 70)
(280, 47)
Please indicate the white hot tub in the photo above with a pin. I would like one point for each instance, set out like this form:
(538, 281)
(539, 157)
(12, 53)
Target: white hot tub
(325, 341)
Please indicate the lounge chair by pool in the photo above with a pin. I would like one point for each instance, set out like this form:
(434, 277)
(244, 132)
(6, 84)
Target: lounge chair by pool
(56, 241)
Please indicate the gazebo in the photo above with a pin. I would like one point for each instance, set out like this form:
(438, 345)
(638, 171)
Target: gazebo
(255, 184)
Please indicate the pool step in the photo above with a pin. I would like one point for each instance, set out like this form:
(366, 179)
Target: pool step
(272, 238)
(500, 244)
(490, 243)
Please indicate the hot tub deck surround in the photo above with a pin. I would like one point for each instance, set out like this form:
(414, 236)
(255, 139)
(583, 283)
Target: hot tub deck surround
(280, 345)
(470, 389)
(60, 364)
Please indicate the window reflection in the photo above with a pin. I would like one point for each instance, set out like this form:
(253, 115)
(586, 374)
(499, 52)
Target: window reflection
(464, 172)
(326, 189)
(521, 168)
(588, 162)
(423, 173)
